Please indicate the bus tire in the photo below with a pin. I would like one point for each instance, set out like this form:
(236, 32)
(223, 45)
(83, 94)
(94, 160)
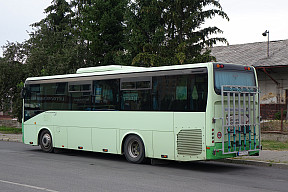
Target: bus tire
(134, 149)
(46, 141)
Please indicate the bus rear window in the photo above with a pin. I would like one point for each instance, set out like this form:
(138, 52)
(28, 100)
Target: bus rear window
(233, 77)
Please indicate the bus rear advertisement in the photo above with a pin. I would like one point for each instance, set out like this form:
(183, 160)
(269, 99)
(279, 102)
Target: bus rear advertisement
(182, 112)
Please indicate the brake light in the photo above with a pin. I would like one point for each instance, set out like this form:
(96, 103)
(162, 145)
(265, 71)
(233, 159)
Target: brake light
(220, 66)
(247, 68)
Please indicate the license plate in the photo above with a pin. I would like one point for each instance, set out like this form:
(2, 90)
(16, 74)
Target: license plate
(241, 153)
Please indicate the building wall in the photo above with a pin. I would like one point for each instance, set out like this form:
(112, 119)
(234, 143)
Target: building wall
(272, 96)
(271, 93)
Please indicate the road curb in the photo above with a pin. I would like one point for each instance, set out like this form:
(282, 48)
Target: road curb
(10, 139)
(255, 163)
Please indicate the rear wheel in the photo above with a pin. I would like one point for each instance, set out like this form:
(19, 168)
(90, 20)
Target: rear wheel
(46, 141)
(134, 150)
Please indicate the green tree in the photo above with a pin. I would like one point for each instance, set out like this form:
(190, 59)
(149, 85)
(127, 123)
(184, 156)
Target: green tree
(172, 30)
(100, 29)
(84, 33)
(53, 47)
(184, 19)
(12, 76)
(144, 32)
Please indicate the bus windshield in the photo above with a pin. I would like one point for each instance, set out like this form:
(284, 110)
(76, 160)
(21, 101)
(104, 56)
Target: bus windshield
(233, 77)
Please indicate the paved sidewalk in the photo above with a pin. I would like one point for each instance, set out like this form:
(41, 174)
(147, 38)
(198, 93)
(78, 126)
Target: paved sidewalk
(270, 156)
(266, 158)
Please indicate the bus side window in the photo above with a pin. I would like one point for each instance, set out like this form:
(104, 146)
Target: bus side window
(199, 91)
(180, 93)
(80, 95)
(136, 94)
(105, 95)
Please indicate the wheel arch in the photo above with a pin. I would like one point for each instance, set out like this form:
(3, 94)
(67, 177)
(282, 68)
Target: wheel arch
(136, 134)
(40, 131)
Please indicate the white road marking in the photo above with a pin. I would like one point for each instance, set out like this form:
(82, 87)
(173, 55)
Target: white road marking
(28, 186)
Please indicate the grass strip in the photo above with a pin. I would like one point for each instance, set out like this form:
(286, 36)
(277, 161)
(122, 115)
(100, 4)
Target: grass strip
(10, 130)
(274, 145)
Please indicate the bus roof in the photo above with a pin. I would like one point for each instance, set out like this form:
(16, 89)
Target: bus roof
(109, 71)
(106, 68)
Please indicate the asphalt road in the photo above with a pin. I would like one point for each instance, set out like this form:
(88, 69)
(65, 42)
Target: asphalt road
(26, 168)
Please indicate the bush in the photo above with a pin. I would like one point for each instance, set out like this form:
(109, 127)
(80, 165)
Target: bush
(278, 115)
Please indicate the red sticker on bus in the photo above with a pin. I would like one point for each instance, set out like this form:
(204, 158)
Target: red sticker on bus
(219, 135)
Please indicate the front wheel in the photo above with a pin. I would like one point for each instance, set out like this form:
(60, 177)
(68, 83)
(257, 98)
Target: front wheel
(46, 141)
(134, 150)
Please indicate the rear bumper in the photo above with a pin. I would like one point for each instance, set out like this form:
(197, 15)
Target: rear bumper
(215, 152)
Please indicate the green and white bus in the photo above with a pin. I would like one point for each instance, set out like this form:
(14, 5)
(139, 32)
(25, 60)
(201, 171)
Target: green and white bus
(181, 112)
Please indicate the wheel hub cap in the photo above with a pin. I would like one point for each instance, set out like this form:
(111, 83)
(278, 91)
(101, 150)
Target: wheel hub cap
(46, 140)
(134, 149)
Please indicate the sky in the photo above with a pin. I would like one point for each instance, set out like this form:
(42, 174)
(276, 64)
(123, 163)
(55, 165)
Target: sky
(248, 20)
(16, 16)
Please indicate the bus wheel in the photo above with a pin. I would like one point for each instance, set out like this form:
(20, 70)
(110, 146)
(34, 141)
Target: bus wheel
(134, 150)
(46, 141)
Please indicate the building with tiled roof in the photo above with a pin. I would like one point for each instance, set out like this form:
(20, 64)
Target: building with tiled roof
(272, 69)
(254, 54)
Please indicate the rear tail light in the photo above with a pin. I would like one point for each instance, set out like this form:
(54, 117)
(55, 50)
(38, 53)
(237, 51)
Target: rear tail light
(220, 66)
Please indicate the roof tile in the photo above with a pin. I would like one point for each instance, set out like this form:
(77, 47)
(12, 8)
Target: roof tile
(254, 54)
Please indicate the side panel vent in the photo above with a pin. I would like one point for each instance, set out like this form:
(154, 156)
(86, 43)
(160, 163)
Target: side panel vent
(189, 142)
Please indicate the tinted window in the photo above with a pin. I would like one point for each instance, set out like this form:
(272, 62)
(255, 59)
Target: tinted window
(233, 77)
(180, 93)
(136, 94)
(45, 97)
(162, 93)
(106, 95)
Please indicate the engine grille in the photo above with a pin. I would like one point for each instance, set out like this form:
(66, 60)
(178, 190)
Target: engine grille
(189, 142)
